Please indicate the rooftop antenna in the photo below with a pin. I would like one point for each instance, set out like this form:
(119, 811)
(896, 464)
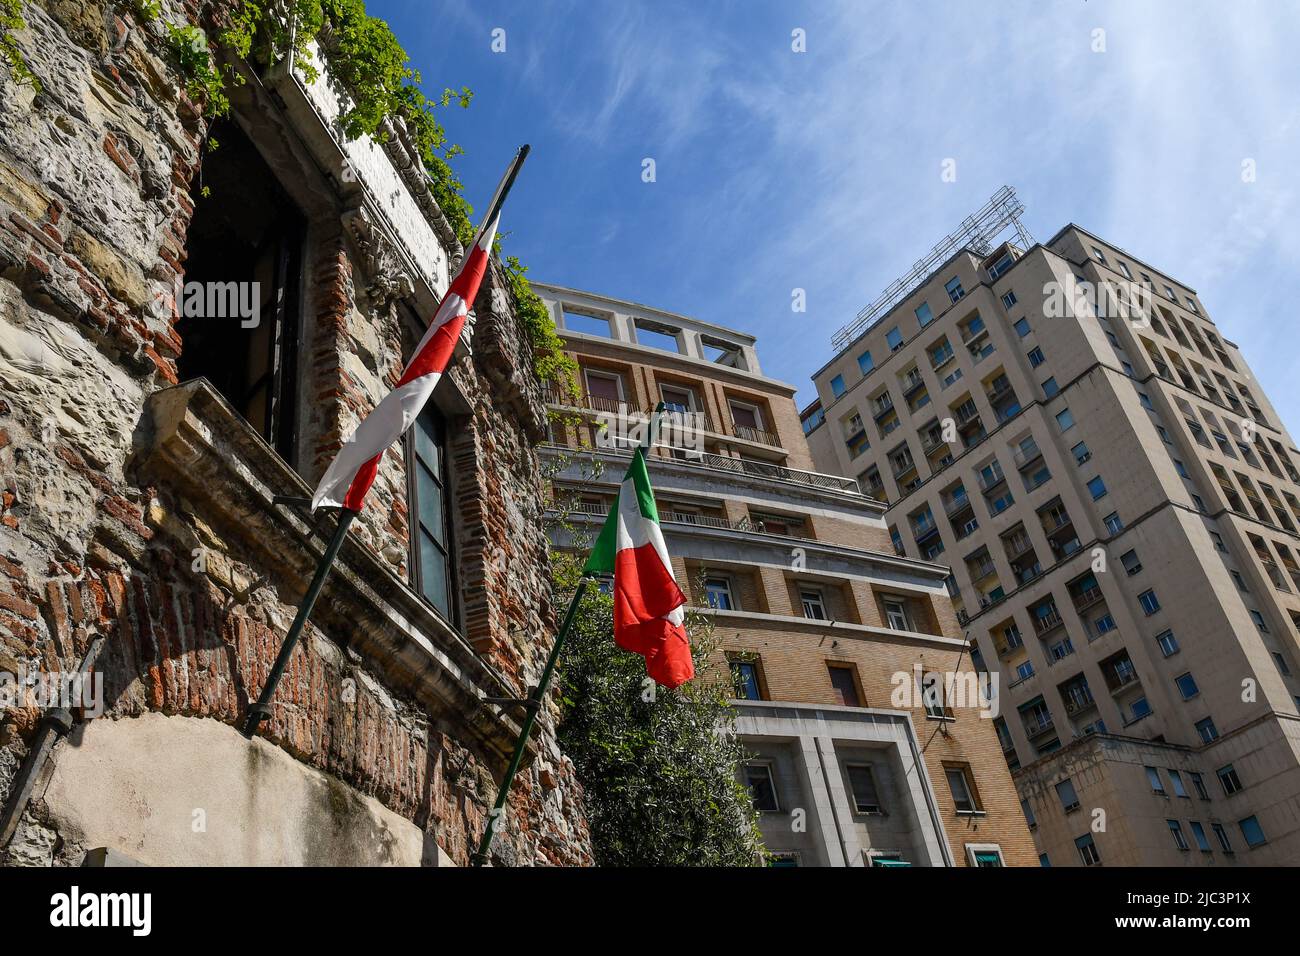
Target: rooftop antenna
(999, 215)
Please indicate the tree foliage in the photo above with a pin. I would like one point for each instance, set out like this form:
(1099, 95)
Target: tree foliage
(658, 767)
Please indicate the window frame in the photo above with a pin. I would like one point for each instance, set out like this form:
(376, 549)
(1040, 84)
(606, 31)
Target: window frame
(445, 484)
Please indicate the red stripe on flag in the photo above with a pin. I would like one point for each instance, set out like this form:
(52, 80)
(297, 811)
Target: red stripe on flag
(644, 593)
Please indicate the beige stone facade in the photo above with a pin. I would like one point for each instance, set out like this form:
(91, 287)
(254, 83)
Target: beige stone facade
(821, 624)
(1067, 429)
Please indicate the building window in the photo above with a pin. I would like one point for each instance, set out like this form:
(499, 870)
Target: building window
(1150, 603)
(1088, 854)
(1167, 643)
(1229, 779)
(1022, 327)
(844, 682)
(1132, 563)
(1097, 254)
(1222, 834)
(1259, 620)
(762, 788)
(1206, 729)
(896, 615)
(1123, 267)
(862, 787)
(1097, 488)
(745, 679)
(1028, 811)
(894, 339)
(1044, 860)
(1282, 667)
(1198, 783)
(1069, 798)
(964, 796)
(1177, 780)
(1064, 419)
(1153, 777)
(814, 607)
(1218, 542)
(1081, 453)
(1008, 300)
(837, 386)
(1187, 685)
(954, 289)
(984, 855)
(1145, 399)
(1036, 357)
(865, 364)
(718, 592)
(1252, 832)
(1202, 841)
(923, 314)
(1177, 832)
(1050, 388)
(431, 564)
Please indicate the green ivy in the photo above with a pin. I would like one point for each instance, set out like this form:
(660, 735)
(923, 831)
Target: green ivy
(368, 60)
(550, 361)
(11, 18)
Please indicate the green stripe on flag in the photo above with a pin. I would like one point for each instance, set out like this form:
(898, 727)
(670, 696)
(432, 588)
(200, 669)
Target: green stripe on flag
(645, 497)
(601, 559)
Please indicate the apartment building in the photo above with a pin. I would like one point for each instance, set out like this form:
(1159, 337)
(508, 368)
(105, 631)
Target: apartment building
(1067, 429)
(819, 621)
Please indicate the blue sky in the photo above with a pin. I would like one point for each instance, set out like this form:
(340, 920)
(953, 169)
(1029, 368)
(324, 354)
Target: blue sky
(821, 170)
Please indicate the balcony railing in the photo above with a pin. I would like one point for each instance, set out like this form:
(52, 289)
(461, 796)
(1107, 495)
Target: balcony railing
(1026, 458)
(1087, 598)
(760, 435)
(957, 505)
(751, 468)
(989, 482)
(1078, 699)
(1047, 622)
(1117, 678)
(1037, 724)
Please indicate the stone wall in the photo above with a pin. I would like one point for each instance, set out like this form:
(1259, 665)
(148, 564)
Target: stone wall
(140, 511)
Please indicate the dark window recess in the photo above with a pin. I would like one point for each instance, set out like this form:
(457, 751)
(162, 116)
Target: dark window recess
(431, 564)
(245, 230)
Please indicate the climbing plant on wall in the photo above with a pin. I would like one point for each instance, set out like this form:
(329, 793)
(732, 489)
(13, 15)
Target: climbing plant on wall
(363, 54)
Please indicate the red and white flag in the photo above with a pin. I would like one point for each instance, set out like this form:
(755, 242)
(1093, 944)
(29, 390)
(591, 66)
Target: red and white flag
(350, 475)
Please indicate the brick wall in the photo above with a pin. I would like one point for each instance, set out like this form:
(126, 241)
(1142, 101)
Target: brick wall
(94, 208)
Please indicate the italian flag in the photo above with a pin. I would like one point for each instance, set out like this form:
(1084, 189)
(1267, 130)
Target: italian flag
(648, 618)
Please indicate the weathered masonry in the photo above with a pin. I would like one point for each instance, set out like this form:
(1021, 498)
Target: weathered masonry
(185, 333)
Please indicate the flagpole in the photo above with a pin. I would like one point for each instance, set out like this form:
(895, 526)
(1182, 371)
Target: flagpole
(531, 706)
(262, 709)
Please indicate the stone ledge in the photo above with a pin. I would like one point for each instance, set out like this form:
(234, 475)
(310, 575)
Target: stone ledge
(191, 439)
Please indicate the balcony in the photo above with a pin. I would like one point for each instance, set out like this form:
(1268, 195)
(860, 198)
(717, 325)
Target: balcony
(1015, 547)
(882, 407)
(941, 358)
(597, 403)
(759, 435)
(957, 506)
(901, 468)
(1037, 724)
(1120, 676)
(1078, 699)
(1087, 598)
(1026, 458)
(1047, 622)
(911, 384)
(990, 482)
(747, 467)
